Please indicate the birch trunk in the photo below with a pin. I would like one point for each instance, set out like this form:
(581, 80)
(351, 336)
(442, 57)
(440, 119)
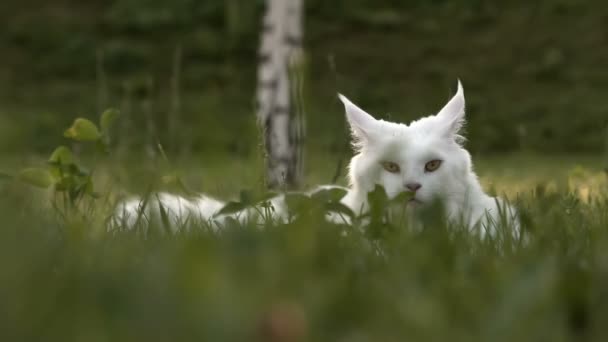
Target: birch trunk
(278, 113)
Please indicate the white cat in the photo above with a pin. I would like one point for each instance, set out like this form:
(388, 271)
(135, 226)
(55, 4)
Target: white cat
(425, 158)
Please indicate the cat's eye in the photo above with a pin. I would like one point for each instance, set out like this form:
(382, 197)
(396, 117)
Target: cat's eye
(432, 165)
(391, 167)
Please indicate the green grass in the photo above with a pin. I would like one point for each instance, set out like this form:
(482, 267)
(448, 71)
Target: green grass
(67, 280)
(504, 174)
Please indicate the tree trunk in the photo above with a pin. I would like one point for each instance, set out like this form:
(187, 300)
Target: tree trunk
(278, 114)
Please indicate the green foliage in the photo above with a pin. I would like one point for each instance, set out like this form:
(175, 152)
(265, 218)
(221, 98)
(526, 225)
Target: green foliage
(83, 130)
(39, 177)
(107, 119)
(62, 156)
(63, 172)
(246, 200)
(320, 202)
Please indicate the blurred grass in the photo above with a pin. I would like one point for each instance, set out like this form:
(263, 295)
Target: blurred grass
(504, 174)
(305, 281)
(225, 175)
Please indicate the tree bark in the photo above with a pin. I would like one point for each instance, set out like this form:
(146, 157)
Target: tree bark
(278, 114)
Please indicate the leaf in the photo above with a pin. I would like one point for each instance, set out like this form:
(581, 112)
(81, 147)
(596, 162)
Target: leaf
(63, 156)
(102, 146)
(299, 203)
(83, 130)
(247, 197)
(377, 197)
(89, 188)
(329, 194)
(231, 208)
(38, 177)
(378, 201)
(339, 208)
(403, 197)
(107, 119)
(63, 184)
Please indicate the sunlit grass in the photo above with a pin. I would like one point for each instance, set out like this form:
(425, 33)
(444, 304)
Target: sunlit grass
(507, 175)
(522, 174)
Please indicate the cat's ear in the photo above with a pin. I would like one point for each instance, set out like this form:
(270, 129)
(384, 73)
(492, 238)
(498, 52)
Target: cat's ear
(451, 115)
(362, 124)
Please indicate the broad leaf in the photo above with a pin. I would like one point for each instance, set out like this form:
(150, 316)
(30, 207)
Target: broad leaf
(107, 118)
(83, 130)
(329, 195)
(89, 189)
(38, 177)
(378, 201)
(63, 156)
(247, 197)
(339, 208)
(250, 198)
(231, 208)
(299, 203)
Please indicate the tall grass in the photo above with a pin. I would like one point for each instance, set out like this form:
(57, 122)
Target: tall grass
(70, 280)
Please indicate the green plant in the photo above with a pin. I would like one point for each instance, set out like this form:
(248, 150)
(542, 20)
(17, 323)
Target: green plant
(63, 173)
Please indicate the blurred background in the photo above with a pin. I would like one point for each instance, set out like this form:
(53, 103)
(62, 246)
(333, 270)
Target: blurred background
(534, 73)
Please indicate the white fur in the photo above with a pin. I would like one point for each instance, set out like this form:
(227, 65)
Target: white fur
(411, 147)
(435, 137)
(202, 208)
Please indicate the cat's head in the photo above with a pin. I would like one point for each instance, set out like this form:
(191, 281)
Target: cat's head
(425, 157)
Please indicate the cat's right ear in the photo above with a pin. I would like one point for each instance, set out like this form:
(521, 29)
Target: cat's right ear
(362, 124)
(452, 114)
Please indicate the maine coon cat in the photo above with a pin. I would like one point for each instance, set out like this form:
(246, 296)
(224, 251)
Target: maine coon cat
(425, 158)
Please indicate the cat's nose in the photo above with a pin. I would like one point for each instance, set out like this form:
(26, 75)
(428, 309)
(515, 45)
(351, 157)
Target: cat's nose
(413, 186)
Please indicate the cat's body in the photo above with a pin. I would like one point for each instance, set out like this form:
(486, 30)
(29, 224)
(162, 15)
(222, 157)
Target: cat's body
(203, 208)
(425, 158)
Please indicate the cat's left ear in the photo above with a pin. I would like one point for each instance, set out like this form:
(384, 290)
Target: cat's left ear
(363, 126)
(451, 115)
